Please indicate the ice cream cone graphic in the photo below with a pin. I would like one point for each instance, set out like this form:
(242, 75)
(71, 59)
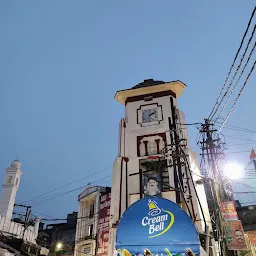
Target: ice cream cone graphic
(126, 252)
(123, 252)
(147, 252)
(153, 208)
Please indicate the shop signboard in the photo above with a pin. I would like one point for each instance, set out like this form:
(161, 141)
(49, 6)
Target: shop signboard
(228, 210)
(235, 235)
(103, 226)
(157, 226)
(87, 250)
(252, 237)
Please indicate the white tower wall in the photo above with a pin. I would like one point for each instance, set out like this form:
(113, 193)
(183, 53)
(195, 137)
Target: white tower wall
(9, 189)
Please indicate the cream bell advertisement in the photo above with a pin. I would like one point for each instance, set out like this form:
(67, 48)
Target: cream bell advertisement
(156, 225)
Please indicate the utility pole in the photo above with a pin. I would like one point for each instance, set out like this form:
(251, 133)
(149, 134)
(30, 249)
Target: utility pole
(183, 180)
(26, 221)
(217, 190)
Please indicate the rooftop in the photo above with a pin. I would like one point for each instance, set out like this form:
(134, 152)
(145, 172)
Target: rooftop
(150, 86)
(148, 82)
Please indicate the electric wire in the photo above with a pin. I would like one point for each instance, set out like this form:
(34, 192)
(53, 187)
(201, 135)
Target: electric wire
(235, 129)
(240, 144)
(233, 137)
(245, 192)
(192, 181)
(247, 28)
(233, 77)
(238, 152)
(245, 184)
(67, 192)
(237, 81)
(238, 96)
(66, 185)
(233, 126)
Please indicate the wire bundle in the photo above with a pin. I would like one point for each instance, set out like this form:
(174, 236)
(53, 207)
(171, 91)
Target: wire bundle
(227, 91)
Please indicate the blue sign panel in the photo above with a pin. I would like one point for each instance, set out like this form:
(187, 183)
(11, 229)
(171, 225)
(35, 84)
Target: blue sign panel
(159, 226)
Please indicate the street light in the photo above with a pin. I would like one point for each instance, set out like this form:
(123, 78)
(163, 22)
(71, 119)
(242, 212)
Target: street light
(233, 170)
(59, 246)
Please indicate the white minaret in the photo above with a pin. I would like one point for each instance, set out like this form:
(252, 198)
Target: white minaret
(9, 189)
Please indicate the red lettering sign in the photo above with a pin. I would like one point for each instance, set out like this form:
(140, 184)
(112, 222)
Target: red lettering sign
(103, 226)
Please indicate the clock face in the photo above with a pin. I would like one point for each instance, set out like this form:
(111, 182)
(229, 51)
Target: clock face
(149, 115)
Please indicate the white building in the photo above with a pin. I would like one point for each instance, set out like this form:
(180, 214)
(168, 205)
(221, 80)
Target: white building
(151, 124)
(93, 213)
(7, 201)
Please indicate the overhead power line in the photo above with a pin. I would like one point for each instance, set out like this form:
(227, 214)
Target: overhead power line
(60, 219)
(245, 192)
(240, 144)
(233, 137)
(238, 96)
(234, 126)
(238, 152)
(245, 185)
(232, 65)
(233, 77)
(66, 185)
(237, 129)
(42, 214)
(68, 192)
(238, 79)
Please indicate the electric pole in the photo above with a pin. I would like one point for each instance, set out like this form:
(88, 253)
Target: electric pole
(26, 221)
(217, 187)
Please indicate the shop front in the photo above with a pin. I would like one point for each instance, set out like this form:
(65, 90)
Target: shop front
(156, 225)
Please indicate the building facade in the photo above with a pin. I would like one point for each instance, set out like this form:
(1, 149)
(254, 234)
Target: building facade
(92, 222)
(149, 135)
(7, 202)
(63, 233)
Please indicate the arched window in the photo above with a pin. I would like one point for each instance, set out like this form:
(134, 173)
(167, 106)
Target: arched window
(17, 181)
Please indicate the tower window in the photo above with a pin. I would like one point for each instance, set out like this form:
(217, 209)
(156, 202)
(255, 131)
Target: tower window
(17, 182)
(9, 180)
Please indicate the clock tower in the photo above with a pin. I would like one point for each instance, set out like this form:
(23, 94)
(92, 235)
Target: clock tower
(154, 157)
(9, 189)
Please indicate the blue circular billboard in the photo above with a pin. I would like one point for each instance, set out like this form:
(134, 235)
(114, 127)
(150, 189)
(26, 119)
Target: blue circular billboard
(159, 226)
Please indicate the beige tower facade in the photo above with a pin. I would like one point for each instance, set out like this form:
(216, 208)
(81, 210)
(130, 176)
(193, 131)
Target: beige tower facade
(146, 164)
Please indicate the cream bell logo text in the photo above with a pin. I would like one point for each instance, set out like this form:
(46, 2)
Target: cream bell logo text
(159, 221)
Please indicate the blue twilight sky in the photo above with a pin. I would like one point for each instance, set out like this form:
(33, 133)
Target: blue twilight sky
(61, 63)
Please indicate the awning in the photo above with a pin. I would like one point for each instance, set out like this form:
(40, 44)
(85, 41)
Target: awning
(157, 225)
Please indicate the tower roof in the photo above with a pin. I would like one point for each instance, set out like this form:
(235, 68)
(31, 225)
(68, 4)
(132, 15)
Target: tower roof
(148, 82)
(150, 86)
(15, 164)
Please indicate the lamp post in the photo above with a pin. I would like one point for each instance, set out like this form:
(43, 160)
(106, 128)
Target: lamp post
(60, 247)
